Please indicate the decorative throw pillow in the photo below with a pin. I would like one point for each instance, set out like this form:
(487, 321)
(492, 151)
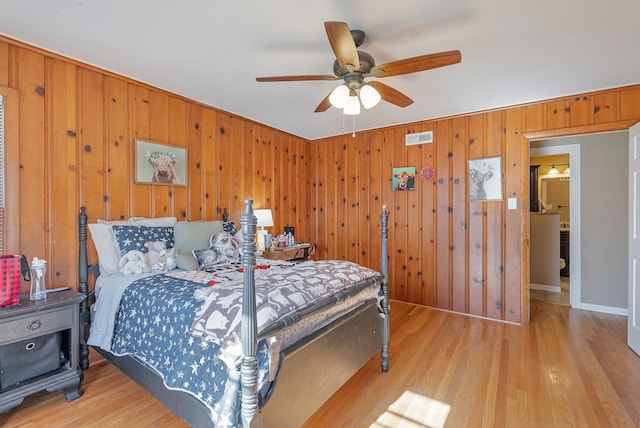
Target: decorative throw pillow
(192, 235)
(104, 242)
(134, 237)
(223, 248)
(230, 226)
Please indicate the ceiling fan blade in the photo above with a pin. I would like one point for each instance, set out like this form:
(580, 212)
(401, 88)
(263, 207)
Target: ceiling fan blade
(324, 105)
(415, 64)
(343, 45)
(295, 78)
(391, 95)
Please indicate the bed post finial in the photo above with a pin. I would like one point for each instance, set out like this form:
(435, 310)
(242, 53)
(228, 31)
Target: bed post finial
(249, 324)
(384, 269)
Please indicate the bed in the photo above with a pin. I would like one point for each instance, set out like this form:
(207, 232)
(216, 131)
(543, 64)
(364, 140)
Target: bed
(282, 360)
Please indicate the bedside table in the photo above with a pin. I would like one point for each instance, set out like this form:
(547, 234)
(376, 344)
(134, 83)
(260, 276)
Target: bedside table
(297, 252)
(40, 347)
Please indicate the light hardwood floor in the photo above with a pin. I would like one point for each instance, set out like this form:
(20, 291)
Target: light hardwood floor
(567, 368)
(562, 298)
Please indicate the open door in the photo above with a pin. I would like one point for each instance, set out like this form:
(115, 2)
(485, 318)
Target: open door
(633, 330)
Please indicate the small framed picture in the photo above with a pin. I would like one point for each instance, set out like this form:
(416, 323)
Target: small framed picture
(485, 179)
(160, 164)
(403, 178)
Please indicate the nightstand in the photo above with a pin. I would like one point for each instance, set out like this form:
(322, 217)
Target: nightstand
(39, 347)
(296, 252)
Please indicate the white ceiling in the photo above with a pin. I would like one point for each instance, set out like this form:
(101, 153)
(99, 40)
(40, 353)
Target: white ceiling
(513, 51)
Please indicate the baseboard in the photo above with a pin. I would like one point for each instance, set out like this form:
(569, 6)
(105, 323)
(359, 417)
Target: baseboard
(544, 287)
(604, 309)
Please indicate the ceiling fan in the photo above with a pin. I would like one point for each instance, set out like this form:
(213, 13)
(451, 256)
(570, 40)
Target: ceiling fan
(354, 66)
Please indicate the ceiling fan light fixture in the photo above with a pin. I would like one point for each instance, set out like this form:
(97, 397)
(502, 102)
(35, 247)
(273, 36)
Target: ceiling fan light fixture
(369, 96)
(339, 96)
(352, 107)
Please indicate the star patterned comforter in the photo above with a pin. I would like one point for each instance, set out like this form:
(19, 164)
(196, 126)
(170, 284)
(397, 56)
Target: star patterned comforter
(185, 325)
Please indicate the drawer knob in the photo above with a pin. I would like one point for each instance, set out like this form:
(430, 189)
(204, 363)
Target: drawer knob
(33, 325)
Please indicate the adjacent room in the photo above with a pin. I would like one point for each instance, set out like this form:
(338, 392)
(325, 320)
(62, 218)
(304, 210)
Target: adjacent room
(347, 214)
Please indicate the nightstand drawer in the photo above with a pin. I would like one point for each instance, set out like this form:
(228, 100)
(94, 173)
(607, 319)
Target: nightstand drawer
(36, 324)
(27, 359)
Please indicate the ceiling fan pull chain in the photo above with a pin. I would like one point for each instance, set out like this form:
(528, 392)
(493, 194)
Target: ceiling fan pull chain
(354, 126)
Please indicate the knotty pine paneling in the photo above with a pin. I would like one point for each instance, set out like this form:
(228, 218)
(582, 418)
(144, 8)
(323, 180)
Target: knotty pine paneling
(373, 180)
(77, 126)
(605, 107)
(629, 103)
(61, 168)
(118, 155)
(473, 257)
(580, 110)
(459, 190)
(204, 205)
(11, 230)
(476, 230)
(31, 105)
(515, 163)
(4, 63)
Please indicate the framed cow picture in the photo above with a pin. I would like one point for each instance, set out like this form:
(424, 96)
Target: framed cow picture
(160, 164)
(485, 179)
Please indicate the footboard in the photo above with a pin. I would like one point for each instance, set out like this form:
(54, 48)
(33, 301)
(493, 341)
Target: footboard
(249, 368)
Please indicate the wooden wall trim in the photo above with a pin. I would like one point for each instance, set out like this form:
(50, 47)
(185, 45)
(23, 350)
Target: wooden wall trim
(580, 130)
(11, 229)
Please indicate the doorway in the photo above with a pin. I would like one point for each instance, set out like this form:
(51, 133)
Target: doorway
(568, 221)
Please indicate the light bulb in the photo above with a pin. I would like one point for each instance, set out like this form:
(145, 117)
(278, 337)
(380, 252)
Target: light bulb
(352, 107)
(339, 96)
(369, 96)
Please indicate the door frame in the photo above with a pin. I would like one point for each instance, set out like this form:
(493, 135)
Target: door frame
(575, 289)
(545, 134)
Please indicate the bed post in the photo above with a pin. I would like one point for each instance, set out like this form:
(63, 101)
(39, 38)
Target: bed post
(83, 287)
(249, 326)
(384, 269)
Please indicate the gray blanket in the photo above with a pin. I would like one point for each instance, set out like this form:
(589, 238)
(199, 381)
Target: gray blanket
(281, 290)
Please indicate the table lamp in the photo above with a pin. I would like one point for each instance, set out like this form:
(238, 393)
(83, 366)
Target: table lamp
(264, 219)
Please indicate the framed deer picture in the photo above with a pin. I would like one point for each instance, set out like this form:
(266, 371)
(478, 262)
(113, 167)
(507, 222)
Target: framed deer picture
(160, 164)
(485, 179)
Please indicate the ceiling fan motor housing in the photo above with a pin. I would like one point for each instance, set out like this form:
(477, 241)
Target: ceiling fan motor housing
(366, 63)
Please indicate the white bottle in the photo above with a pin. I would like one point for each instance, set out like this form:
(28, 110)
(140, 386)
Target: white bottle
(38, 271)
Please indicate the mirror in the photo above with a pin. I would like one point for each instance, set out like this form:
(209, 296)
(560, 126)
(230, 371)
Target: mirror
(555, 194)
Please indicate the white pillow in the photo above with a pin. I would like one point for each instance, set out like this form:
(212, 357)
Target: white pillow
(105, 244)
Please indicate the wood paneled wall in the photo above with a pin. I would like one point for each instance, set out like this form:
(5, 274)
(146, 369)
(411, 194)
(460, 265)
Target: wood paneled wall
(447, 252)
(75, 146)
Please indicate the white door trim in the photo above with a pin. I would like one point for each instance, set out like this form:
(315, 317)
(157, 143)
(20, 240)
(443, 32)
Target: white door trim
(633, 317)
(575, 290)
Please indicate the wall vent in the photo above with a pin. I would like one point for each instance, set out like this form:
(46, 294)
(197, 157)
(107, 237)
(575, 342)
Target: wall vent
(418, 138)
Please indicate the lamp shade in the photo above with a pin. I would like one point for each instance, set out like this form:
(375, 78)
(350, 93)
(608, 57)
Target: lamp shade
(369, 96)
(264, 218)
(353, 105)
(339, 96)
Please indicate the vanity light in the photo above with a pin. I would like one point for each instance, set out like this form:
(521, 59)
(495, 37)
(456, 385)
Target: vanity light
(567, 171)
(553, 170)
